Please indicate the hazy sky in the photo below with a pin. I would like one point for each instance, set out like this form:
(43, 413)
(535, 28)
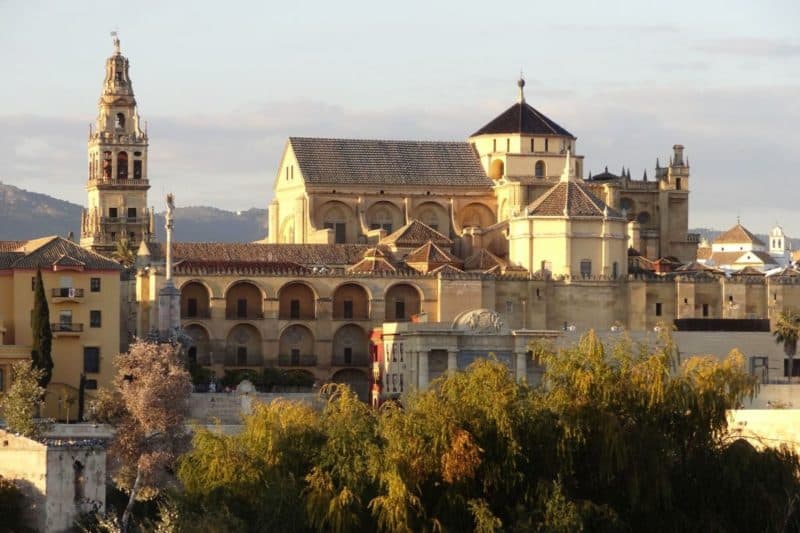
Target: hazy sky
(223, 84)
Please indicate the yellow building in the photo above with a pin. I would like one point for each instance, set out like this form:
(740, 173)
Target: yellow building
(83, 296)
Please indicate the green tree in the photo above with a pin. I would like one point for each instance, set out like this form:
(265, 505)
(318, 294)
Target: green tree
(124, 252)
(787, 332)
(23, 400)
(42, 335)
(619, 438)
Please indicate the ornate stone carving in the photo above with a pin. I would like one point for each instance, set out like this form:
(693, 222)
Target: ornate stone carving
(482, 321)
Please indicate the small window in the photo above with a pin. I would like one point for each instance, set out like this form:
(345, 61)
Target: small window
(348, 309)
(538, 294)
(658, 308)
(586, 268)
(2, 380)
(137, 169)
(191, 307)
(122, 166)
(539, 169)
(131, 212)
(494, 145)
(113, 235)
(533, 146)
(113, 212)
(94, 285)
(705, 310)
(90, 384)
(677, 184)
(33, 283)
(400, 310)
(65, 317)
(508, 145)
(241, 308)
(294, 309)
(547, 145)
(241, 355)
(95, 318)
(91, 360)
(509, 306)
(615, 270)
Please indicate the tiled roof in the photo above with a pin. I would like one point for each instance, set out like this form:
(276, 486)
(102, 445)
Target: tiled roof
(738, 234)
(785, 272)
(447, 270)
(730, 258)
(192, 267)
(46, 252)
(483, 260)
(747, 271)
(10, 246)
(376, 162)
(522, 118)
(369, 265)
(570, 198)
(260, 253)
(429, 253)
(694, 266)
(415, 233)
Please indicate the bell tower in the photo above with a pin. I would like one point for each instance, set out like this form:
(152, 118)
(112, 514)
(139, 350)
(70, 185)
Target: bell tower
(117, 183)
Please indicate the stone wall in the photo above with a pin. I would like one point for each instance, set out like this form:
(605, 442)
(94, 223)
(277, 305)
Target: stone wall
(228, 408)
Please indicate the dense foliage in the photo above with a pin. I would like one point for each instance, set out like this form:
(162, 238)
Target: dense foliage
(23, 400)
(787, 333)
(42, 335)
(630, 440)
(12, 506)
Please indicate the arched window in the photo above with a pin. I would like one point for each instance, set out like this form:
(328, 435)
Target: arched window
(120, 123)
(122, 166)
(539, 170)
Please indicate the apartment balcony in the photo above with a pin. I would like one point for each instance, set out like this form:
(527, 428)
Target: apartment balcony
(297, 360)
(66, 294)
(62, 329)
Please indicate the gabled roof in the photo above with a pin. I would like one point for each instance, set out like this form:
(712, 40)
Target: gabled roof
(570, 198)
(374, 261)
(414, 233)
(483, 260)
(447, 269)
(522, 118)
(785, 272)
(47, 252)
(737, 234)
(747, 271)
(377, 162)
(430, 253)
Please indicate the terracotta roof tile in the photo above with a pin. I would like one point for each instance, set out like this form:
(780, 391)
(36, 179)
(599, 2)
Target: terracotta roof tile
(522, 118)
(737, 234)
(447, 269)
(370, 265)
(415, 233)
(46, 252)
(10, 246)
(430, 253)
(378, 162)
(260, 253)
(483, 260)
(570, 198)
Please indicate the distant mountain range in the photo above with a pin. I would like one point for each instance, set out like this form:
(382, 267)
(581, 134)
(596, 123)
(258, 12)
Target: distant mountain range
(26, 215)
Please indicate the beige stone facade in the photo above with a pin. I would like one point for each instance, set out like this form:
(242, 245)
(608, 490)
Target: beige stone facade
(60, 477)
(83, 297)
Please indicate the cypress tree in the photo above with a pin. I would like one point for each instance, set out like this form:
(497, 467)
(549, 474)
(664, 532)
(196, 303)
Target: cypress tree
(42, 335)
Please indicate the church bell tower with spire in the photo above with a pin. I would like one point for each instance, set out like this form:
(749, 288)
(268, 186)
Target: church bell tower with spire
(117, 183)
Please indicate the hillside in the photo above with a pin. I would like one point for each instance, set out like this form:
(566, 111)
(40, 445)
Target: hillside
(26, 215)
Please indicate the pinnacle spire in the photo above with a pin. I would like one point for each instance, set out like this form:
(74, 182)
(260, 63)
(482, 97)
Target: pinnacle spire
(521, 85)
(567, 174)
(115, 38)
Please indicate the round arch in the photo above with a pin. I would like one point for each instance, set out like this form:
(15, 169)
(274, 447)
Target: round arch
(540, 169)
(244, 300)
(476, 214)
(643, 218)
(385, 215)
(243, 346)
(200, 349)
(339, 217)
(195, 300)
(434, 215)
(351, 301)
(122, 166)
(357, 380)
(297, 301)
(497, 169)
(350, 346)
(402, 300)
(296, 346)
